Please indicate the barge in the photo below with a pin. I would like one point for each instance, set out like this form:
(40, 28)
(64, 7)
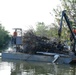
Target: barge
(52, 57)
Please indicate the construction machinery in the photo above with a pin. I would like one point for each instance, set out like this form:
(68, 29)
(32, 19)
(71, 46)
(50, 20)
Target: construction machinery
(64, 15)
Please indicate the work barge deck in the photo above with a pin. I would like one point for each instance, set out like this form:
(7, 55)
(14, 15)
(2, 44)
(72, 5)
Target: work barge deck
(41, 57)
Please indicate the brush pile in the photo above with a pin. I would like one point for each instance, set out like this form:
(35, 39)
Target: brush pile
(33, 44)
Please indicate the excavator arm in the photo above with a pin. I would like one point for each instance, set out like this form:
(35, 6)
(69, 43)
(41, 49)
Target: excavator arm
(69, 26)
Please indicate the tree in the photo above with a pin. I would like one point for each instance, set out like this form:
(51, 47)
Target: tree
(46, 30)
(4, 36)
(70, 7)
(41, 29)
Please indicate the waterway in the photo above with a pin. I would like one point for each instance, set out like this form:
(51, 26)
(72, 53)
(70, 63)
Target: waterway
(16, 67)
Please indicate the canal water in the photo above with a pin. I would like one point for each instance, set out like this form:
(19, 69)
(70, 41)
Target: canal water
(16, 67)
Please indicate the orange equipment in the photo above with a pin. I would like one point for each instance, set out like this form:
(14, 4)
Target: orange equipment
(74, 31)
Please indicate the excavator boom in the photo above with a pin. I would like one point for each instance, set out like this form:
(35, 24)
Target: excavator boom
(69, 26)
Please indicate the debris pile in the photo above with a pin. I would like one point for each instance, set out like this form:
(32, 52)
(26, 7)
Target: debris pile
(33, 44)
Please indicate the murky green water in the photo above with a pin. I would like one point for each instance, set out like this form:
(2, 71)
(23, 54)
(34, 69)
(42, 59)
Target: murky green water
(13, 67)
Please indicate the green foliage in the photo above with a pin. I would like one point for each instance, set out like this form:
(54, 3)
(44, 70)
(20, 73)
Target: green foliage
(41, 29)
(46, 30)
(52, 31)
(4, 37)
(70, 7)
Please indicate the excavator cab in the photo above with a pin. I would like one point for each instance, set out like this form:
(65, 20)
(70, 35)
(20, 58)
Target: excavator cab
(17, 36)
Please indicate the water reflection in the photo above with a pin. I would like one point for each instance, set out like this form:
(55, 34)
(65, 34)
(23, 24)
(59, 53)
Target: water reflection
(35, 68)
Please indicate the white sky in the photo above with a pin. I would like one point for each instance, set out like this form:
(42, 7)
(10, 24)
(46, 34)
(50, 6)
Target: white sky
(23, 13)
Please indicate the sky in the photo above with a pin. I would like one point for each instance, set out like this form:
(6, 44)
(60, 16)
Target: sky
(26, 13)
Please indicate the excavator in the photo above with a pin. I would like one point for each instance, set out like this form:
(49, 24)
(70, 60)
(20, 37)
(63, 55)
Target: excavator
(64, 15)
